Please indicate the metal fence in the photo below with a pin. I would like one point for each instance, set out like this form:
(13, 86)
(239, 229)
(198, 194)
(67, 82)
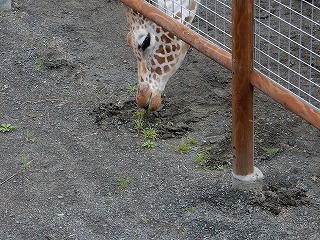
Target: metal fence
(212, 20)
(271, 45)
(287, 46)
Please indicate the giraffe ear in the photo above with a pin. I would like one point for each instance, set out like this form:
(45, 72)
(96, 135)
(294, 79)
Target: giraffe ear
(129, 38)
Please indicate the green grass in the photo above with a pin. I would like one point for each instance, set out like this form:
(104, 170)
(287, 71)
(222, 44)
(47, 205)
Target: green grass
(139, 124)
(26, 161)
(202, 156)
(7, 127)
(270, 151)
(183, 147)
(3, 12)
(145, 220)
(222, 167)
(19, 6)
(138, 121)
(191, 209)
(192, 141)
(28, 138)
(131, 88)
(148, 144)
(39, 65)
(123, 181)
(150, 133)
(139, 114)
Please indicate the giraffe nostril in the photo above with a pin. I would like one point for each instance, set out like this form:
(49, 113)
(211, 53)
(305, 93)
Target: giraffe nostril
(148, 104)
(146, 107)
(143, 95)
(155, 102)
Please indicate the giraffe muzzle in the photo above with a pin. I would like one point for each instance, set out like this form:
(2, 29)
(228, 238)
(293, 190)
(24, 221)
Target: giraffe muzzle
(150, 101)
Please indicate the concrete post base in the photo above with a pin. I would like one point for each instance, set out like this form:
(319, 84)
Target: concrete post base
(5, 5)
(251, 181)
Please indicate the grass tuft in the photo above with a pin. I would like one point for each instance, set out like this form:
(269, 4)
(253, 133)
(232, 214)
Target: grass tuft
(39, 65)
(150, 133)
(202, 156)
(131, 88)
(270, 151)
(148, 144)
(7, 127)
(183, 147)
(123, 181)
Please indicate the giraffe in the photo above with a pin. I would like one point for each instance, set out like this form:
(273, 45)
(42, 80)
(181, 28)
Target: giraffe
(159, 53)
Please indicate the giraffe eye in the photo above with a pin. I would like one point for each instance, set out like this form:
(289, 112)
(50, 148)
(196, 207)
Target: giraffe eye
(146, 42)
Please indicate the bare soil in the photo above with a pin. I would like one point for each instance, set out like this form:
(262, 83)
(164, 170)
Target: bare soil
(74, 167)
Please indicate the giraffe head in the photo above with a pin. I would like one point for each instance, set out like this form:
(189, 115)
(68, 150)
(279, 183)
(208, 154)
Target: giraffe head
(159, 53)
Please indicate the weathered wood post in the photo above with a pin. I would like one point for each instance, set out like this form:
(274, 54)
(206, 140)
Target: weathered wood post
(5, 5)
(242, 91)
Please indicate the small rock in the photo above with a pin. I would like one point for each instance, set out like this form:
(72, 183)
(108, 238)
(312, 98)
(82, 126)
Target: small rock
(302, 187)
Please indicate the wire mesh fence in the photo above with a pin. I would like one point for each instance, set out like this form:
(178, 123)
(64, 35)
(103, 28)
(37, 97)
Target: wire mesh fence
(212, 20)
(287, 45)
(287, 38)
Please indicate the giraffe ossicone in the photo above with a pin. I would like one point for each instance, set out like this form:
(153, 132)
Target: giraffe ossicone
(159, 53)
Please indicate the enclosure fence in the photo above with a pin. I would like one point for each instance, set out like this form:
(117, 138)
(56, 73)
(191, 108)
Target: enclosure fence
(289, 50)
(273, 45)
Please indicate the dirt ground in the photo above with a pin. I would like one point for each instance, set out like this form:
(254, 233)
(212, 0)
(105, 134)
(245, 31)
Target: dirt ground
(75, 168)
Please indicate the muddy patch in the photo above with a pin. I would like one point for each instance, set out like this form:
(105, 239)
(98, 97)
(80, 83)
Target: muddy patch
(113, 113)
(171, 121)
(276, 197)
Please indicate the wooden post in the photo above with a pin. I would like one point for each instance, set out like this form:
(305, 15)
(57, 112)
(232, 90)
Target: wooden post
(242, 90)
